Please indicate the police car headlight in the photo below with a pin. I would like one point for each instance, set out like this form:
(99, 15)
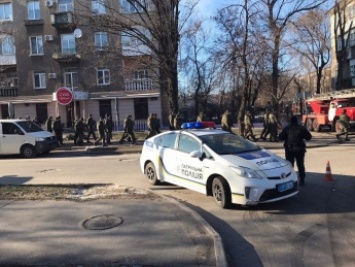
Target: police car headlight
(40, 139)
(246, 172)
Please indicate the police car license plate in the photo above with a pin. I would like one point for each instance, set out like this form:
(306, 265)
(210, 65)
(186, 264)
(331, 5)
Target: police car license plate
(285, 186)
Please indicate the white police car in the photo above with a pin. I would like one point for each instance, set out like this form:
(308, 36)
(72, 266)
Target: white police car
(219, 164)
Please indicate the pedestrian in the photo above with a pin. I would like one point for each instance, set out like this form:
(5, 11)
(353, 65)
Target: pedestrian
(265, 131)
(293, 136)
(248, 127)
(91, 125)
(109, 128)
(101, 126)
(49, 123)
(58, 128)
(151, 126)
(227, 121)
(79, 129)
(128, 126)
(342, 126)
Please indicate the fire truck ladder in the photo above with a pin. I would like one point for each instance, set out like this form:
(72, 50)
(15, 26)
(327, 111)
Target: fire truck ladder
(346, 93)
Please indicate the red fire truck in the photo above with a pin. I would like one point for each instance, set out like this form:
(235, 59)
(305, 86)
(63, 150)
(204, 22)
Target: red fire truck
(323, 110)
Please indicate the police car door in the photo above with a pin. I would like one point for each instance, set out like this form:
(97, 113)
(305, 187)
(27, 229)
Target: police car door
(167, 157)
(11, 138)
(189, 169)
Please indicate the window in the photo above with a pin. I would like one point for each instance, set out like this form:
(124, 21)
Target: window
(352, 67)
(36, 43)
(6, 11)
(136, 7)
(7, 46)
(103, 76)
(71, 78)
(10, 128)
(101, 40)
(39, 80)
(141, 74)
(98, 7)
(65, 5)
(188, 144)
(33, 10)
(68, 44)
(167, 140)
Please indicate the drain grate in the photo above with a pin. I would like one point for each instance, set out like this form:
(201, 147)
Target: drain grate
(102, 222)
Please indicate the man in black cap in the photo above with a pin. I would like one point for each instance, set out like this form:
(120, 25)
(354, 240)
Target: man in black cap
(295, 147)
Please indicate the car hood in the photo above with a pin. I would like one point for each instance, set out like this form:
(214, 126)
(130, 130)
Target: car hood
(261, 159)
(41, 134)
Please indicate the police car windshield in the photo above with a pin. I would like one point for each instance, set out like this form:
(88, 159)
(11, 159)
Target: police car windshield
(29, 126)
(226, 143)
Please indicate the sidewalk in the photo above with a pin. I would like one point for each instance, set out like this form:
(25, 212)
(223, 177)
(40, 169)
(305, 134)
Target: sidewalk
(114, 232)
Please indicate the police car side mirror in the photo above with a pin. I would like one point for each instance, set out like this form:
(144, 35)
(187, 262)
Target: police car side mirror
(196, 154)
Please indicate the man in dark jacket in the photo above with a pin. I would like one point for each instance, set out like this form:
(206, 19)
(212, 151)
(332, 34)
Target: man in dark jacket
(102, 131)
(91, 124)
(295, 147)
(128, 126)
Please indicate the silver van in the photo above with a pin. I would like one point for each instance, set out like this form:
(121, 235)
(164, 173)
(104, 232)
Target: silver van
(25, 137)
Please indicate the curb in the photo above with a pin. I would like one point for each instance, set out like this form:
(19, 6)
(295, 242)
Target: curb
(221, 260)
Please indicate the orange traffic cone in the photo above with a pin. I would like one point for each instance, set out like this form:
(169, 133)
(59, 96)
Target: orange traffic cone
(328, 174)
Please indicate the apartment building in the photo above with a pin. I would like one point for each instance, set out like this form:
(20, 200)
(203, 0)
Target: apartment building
(347, 68)
(47, 45)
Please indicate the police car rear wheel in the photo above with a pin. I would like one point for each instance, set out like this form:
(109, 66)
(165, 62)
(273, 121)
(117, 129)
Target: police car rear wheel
(151, 174)
(221, 192)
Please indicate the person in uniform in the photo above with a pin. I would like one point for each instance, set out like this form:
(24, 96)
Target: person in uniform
(79, 128)
(102, 131)
(227, 121)
(273, 124)
(128, 126)
(293, 136)
(342, 126)
(265, 131)
(151, 126)
(58, 130)
(49, 124)
(248, 127)
(91, 124)
(109, 128)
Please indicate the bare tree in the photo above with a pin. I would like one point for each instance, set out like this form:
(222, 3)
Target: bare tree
(279, 14)
(201, 66)
(155, 24)
(342, 31)
(313, 42)
(244, 52)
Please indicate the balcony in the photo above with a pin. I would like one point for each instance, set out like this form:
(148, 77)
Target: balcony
(63, 20)
(6, 91)
(66, 57)
(34, 22)
(134, 85)
(8, 61)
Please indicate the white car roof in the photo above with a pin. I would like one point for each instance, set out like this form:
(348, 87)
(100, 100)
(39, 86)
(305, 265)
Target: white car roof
(200, 132)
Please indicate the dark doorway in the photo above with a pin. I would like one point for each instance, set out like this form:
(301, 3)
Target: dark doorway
(41, 112)
(4, 111)
(105, 107)
(141, 108)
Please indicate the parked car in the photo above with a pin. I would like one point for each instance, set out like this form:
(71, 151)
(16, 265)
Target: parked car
(25, 137)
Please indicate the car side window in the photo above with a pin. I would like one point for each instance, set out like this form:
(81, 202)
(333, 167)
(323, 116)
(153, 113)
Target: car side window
(188, 144)
(10, 128)
(167, 140)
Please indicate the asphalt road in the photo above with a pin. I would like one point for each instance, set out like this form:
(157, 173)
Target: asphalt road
(315, 228)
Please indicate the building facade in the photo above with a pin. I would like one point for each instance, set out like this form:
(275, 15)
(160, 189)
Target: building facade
(47, 45)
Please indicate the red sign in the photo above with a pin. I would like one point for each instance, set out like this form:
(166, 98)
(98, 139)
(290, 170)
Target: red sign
(64, 96)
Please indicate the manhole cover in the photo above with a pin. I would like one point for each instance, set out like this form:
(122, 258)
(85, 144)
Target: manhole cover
(102, 222)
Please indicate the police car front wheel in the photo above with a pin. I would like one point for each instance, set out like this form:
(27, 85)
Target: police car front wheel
(151, 174)
(221, 192)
